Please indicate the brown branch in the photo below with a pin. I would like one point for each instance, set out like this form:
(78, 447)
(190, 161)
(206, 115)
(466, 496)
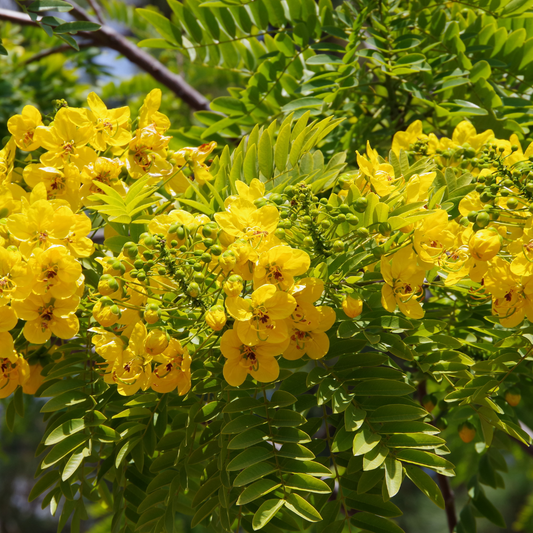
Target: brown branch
(449, 501)
(56, 50)
(97, 10)
(109, 38)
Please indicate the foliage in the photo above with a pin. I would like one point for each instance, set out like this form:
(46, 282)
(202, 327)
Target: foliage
(380, 65)
(265, 324)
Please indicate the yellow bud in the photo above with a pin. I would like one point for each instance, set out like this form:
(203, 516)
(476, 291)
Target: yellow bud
(513, 397)
(485, 244)
(156, 342)
(352, 307)
(107, 285)
(227, 260)
(216, 318)
(151, 313)
(233, 287)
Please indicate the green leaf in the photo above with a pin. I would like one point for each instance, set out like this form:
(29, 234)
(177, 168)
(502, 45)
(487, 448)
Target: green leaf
(246, 439)
(254, 472)
(365, 441)
(382, 387)
(73, 463)
(230, 106)
(354, 418)
(302, 508)
(295, 451)
(282, 147)
(256, 490)
(373, 503)
(516, 7)
(480, 70)
(375, 457)
(424, 482)
(307, 483)
(67, 399)
(249, 457)
(430, 460)
(64, 448)
(287, 418)
(487, 509)
(393, 475)
(162, 24)
(73, 27)
(242, 423)
(375, 524)
(324, 59)
(266, 512)
(302, 103)
(210, 486)
(265, 155)
(397, 413)
(205, 511)
(50, 5)
(43, 483)
(64, 430)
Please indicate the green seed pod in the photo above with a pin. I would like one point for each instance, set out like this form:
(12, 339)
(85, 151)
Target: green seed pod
(361, 204)
(338, 246)
(216, 250)
(309, 242)
(483, 219)
(130, 250)
(472, 216)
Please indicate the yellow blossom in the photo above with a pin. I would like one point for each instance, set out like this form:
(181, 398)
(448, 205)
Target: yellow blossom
(403, 283)
(66, 139)
(149, 114)
(261, 317)
(55, 272)
(35, 379)
(432, 238)
(485, 244)
(147, 154)
(109, 124)
(45, 315)
(15, 283)
(279, 265)
(258, 360)
(216, 318)
(352, 307)
(174, 371)
(23, 126)
(14, 369)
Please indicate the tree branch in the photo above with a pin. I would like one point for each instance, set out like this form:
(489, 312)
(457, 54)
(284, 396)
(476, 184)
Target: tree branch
(109, 38)
(56, 50)
(97, 10)
(449, 501)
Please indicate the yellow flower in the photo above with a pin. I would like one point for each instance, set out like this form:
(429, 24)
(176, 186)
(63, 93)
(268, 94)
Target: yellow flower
(156, 342)
(279, 265)
(216, 318)
(7, 157)
(378, 173)
(258, 360)
(174, 372)
(40, 225)
(109, 124)
(132, 369)
(262, 318)
(60, 184)
(432, 238)
(15, 283)
(174, 226)
(55, 272)
(23, 126)
(14, 369)
(306, 316)
(315, 342)
(106, 312)
(45, 316)
(403, 139)
(149, 114)
(103, 170)
(465, 134)
(35, 379)
(10, 195)
(417, 188)
(233, 286)
(66, 139)
(403, 286)
(244, 220)
(485, 244)
(251, 192)
(352, 307)
(8, 318)
(77, 242)
(147, 154)
(195, 157)
(107, 344)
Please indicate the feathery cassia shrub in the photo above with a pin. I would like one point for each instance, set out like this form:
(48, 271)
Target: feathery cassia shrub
(266, 338)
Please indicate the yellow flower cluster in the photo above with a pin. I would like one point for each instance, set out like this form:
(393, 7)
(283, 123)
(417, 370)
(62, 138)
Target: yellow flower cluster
(251, 280)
